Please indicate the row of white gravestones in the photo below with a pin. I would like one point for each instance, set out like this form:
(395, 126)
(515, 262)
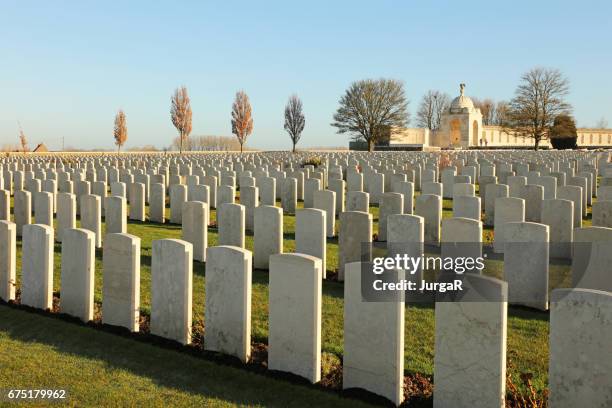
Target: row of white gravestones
(190, 163)
(550, 211)
(473, 206)
(339, 202)
(298, 350)
(394, 176)
(458, 365)
(268, 235)
(295, 288)
(458, 176)
(470, 170)
(121, 289)
(532, 239)
(43, 208)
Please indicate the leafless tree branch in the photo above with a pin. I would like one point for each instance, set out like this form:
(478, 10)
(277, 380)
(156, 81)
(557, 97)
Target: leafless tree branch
(294, 119)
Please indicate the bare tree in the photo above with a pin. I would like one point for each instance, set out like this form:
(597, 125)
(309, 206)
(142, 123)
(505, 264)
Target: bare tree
(538, 99)
(120, 131)
(294, 119)
(602, 123)
(242, 119)
(431, 108)
(207, 142)
(442, 103)
(370, 107)
(180, 112)
(502, 110)
(426, 113)
(487, 108)
(9, 148)
(23, 141)
(178, 144)
(211, 143)
(145, 148)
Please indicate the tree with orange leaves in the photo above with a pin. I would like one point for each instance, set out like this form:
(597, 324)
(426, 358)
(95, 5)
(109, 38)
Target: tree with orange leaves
(120, 131)
(22, 139)
(242, 119)
(180, 112)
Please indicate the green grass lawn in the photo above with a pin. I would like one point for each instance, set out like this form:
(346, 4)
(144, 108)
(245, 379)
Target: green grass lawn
(133, 372)
(97, 368)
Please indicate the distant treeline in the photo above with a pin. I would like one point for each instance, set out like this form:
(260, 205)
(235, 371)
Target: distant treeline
(202, 143)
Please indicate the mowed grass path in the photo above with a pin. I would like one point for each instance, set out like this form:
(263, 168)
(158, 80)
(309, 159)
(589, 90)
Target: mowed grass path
(527, 329)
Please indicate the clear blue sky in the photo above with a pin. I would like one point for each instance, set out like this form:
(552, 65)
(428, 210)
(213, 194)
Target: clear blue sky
(66, 67)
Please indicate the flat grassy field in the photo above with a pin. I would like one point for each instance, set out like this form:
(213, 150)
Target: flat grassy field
(98, 368)
(102, 367)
